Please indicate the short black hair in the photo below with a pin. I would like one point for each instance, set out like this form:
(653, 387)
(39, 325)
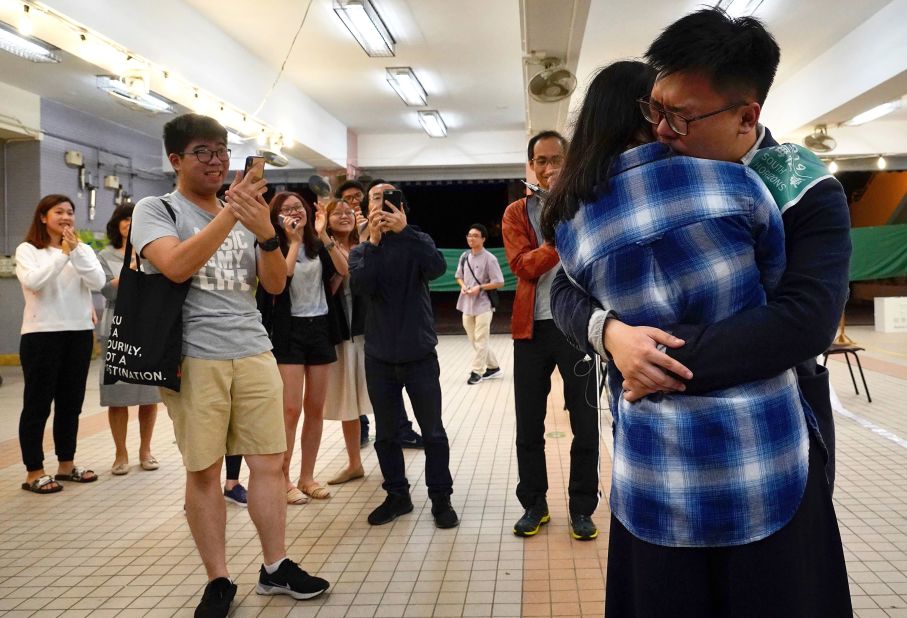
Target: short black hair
(346, 186)
(375, 182)
(737, 54)
(113, 226)
(545, 135)
(480, 228)
(184, 129)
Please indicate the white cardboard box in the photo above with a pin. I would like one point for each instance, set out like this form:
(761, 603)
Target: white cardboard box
(891, 314)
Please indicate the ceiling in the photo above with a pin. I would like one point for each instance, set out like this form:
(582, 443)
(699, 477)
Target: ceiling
(469, 55)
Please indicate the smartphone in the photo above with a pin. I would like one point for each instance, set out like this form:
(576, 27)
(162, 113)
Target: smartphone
(256, 166)
(395, 197)
(284, 220)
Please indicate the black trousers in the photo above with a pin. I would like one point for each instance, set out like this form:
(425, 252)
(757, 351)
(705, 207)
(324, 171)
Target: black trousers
(533, 362)
(797, 571)
(55, 366)
(421, 379)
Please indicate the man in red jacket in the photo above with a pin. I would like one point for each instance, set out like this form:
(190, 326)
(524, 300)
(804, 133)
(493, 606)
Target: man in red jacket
(537, 348)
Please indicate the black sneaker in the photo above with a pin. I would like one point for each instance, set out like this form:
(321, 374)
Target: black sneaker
(393, 506)
(442, 511)
(582, 528)
(491, 373)
(532, 520)
(216, 600)
(291, 580)
(411, 439)
(474, 378)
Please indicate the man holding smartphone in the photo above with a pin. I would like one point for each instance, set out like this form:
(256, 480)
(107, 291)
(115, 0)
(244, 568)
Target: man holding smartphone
(230, 400)
(392, 268)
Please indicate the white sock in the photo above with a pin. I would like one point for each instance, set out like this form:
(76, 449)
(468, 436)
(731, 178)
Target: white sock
(272, 568)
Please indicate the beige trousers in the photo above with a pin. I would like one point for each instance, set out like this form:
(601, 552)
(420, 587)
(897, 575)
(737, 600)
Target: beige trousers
(478, 328)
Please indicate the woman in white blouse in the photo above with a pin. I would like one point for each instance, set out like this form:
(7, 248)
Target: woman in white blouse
(58, 274)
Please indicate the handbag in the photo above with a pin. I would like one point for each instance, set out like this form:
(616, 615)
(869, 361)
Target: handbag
(146, 332)
(492, 294)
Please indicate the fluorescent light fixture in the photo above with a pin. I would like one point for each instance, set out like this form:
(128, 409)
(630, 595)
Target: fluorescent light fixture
(144, 102)
(366, 25)
(25, 48)
(234, 138)
(874, 114)
(407, 86)
(432, 122)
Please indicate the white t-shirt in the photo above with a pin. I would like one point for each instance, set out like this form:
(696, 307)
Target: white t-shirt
(57, 287)
(220, 318)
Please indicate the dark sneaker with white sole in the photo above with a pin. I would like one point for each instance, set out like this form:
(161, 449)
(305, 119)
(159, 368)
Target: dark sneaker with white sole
(216, 599)
(473, 378)
(582, 528)
(237, 495)
(410, 439)
(490, 373)
(532, 520)
(289, 579)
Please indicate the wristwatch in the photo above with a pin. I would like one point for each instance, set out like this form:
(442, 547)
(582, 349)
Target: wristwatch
(270, 244)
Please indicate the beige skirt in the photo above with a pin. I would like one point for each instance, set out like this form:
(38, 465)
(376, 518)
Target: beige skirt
(347, 396)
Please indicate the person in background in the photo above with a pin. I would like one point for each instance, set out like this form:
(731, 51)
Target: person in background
(58, 274)
(393, 268)
(538, 348)
(119, 396)
(299, 323)
(352, 193)
(347, 397)
(478, 272)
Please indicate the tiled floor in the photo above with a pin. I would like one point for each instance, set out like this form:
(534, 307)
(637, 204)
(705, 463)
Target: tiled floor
(121, 546)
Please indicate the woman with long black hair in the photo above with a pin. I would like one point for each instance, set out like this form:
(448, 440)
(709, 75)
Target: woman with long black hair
(58, 273)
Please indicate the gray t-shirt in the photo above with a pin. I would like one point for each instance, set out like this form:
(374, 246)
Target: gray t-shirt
(307, 299)
(543, 286)
(220, 318)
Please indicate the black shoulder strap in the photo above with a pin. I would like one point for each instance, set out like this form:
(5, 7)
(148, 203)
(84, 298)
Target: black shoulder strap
(138, 258)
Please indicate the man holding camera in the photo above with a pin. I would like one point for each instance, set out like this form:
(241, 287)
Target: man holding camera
(392, 267)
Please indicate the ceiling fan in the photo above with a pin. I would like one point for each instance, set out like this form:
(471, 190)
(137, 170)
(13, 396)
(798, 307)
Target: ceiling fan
(554, 83)
(819, 140)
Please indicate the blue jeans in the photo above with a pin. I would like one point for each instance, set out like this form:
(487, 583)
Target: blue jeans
(420, 378)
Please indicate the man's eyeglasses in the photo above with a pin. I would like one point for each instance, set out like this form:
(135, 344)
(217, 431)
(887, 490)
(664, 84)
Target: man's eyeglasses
(556, 161)
(473, 236)
(679, 124)
(204, 155)
(352, 199)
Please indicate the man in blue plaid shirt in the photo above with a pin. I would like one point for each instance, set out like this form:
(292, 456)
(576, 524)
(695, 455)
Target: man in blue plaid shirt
(714, 75)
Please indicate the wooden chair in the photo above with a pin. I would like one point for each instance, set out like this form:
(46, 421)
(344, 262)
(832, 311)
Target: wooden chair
(847, 346)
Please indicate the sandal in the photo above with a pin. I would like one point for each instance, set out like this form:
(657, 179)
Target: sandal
(294, 496)
(347, 475)
(78, 475)
(120, 469)
(316, 491)
(39, 485)
(150, 464)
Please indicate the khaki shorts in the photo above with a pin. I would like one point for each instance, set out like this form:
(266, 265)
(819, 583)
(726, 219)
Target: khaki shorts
(227, 407)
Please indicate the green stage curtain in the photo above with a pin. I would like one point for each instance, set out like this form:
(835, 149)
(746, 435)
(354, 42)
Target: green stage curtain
(878, 252)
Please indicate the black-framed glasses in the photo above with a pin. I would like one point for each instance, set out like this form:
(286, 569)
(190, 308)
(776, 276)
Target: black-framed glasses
(679, 124)
(352, 199)
(204, 155)
(555, 161)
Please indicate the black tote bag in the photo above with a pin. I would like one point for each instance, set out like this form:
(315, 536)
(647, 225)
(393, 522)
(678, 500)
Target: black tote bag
(146, 333)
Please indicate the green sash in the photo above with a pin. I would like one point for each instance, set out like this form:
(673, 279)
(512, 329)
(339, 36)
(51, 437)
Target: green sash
(789, 171)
